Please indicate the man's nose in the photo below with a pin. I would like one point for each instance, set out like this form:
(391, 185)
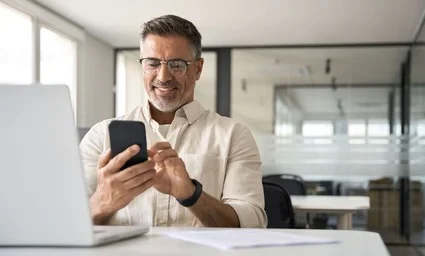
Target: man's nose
(163, 74)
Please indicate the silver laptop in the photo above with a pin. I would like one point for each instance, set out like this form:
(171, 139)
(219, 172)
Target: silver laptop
(43, 196)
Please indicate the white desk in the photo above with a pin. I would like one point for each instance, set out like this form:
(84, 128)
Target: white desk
(352, 243)
(342, 206)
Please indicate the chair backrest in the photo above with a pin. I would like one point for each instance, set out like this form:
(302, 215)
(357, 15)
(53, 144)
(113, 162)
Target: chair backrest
(293, 184)
(278, 206)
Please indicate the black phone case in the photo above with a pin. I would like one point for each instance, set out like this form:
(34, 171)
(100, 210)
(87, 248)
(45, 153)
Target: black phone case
(123, 134)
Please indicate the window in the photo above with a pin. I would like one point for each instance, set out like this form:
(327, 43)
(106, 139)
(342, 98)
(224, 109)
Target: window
(357, 128)
(30, 53)
(420, 129)
(317, 128)
(284, 129)
(58, 61)
(378, 128)
(397, 129)
(16, 52)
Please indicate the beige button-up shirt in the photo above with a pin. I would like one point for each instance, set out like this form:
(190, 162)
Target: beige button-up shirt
(218, 152)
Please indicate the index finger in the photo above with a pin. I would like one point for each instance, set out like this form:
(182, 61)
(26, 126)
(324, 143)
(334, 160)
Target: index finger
(104, 159)
(119, 160)
(163, 145)
(150, 154)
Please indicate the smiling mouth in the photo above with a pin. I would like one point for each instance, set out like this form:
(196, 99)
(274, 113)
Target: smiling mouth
(165, 91)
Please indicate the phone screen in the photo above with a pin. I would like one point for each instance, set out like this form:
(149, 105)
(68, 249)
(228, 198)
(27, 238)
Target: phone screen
(123, 134)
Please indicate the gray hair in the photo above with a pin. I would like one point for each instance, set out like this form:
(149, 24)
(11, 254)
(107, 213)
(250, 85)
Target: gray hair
(168, 25)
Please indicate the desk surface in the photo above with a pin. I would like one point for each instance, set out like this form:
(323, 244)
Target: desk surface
(330, 204)
(352, 243)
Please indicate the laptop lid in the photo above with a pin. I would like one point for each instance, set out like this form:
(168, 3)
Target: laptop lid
(43, 195)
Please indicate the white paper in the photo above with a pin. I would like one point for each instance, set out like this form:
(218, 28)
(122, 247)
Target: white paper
(245, 238)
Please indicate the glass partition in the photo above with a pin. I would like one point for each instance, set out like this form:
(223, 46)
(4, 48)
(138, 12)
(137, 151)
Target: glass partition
(417, 143)
(333, 117)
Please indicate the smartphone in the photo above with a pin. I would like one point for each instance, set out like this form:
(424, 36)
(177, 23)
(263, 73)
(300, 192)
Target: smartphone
(123, 134)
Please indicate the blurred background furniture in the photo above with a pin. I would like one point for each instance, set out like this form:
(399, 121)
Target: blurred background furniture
(294, 185)
(278, 206)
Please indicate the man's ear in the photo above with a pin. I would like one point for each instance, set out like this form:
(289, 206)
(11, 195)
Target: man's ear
(198, 68)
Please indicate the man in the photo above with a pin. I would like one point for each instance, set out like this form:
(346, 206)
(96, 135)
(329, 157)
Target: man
(203, 169)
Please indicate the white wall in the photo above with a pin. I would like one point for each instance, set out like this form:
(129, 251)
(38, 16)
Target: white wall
(418, 65)
(205, 89)
(254, 106)
(95, 91)
(135, 93)
(130, 90)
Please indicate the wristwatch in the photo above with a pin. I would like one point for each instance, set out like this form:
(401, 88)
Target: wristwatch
(193, 198)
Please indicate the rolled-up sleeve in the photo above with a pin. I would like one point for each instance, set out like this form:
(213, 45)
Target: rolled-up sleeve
(243, 189)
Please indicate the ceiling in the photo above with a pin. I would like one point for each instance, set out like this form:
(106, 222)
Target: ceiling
(238, 23)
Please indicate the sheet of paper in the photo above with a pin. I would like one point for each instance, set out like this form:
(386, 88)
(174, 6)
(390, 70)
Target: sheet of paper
(245, 238)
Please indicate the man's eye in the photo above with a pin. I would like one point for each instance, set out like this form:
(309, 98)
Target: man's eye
(153, 65)
(176, 65)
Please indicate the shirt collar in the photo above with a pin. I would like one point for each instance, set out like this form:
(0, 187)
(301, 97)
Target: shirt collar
(191, 111)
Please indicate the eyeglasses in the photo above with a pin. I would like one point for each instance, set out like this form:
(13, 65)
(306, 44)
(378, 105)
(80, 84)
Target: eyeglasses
(177, 67)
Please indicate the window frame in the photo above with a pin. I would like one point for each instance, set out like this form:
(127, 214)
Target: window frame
(44, 18)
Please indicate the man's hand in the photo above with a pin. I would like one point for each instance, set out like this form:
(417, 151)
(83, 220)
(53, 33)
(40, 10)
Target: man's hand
(115, 188)
(171, 177)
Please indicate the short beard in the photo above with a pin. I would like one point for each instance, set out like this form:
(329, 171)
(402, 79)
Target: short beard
(162, 104)
(166, 107)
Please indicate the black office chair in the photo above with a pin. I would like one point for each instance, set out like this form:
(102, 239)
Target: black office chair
(278, 206)
(295, 186)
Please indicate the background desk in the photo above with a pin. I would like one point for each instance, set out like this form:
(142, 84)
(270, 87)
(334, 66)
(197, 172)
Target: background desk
(342, 206)
(352, 243)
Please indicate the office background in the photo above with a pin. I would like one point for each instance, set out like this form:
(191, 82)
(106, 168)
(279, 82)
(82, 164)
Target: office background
(334, 91)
